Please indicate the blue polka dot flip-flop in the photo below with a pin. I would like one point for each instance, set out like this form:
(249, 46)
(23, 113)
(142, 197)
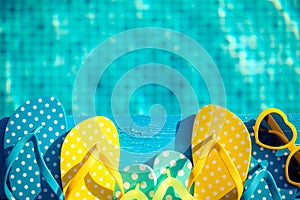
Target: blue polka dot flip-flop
(3, 123)
(172, 170)
(221, 151)
(259, 175)
(32, 144)
(276, 166)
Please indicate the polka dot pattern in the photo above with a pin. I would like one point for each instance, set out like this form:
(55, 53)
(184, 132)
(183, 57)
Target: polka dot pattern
(98, 183)
(179, 167)
(214, 180)
(25, 178)
(276, 166)
(138, 174)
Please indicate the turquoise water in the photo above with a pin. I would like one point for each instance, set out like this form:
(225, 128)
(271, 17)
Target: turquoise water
(255, 45)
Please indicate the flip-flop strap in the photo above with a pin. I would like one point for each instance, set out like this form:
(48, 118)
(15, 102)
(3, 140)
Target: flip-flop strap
(135, 194)
(178, 187)
(231, 168)
(195, 172)
(40, 161)
(254, 183)
(85, 168)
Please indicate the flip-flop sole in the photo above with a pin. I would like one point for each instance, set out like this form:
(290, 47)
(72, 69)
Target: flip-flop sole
(179, 167)
(98, 183)
(214, 181)
(138, 175)
(25, 178)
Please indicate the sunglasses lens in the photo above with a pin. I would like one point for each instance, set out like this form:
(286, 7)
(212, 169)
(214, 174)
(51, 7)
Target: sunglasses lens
(273, 131)
(294, 167)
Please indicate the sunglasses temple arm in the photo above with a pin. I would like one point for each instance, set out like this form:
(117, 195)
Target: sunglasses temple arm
(282, 137)
(274, 125)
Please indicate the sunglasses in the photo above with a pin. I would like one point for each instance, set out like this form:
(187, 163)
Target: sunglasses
(272, 130)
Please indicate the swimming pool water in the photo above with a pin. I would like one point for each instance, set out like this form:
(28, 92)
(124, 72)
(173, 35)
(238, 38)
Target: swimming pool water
(255, 45)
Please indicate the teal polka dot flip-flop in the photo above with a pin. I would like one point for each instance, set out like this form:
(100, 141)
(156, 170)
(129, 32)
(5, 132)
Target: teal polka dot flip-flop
(32, 144)
(172, 170)
(138, 178)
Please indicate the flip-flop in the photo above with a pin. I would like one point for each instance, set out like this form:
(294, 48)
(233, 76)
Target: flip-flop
(276, 166)
(221, 151)
(32, 143)
(138, 181)
(172, 170)
(3, 123)
(89, 160)
(261, 181)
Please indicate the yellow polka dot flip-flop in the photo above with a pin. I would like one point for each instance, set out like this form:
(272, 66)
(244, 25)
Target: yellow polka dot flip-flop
(90, 159)
(221, 150)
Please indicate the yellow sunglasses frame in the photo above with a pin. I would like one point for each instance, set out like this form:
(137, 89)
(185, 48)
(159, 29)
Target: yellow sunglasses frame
(290, 145)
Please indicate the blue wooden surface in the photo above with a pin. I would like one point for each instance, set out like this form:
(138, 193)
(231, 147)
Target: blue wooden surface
(142, 147)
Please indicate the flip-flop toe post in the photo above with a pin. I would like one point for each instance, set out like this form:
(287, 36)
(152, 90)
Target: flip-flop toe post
(260, 182)
(221, 150)
(89, 159)
(32, 143)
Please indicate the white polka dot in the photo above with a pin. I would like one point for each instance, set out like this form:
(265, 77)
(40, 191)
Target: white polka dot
(189, 165)
(173, 163)
(142, 167)
(134, 176)
(162, 170)
(126, 185)
(181, 173)
(143, 184)
(150, 176)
